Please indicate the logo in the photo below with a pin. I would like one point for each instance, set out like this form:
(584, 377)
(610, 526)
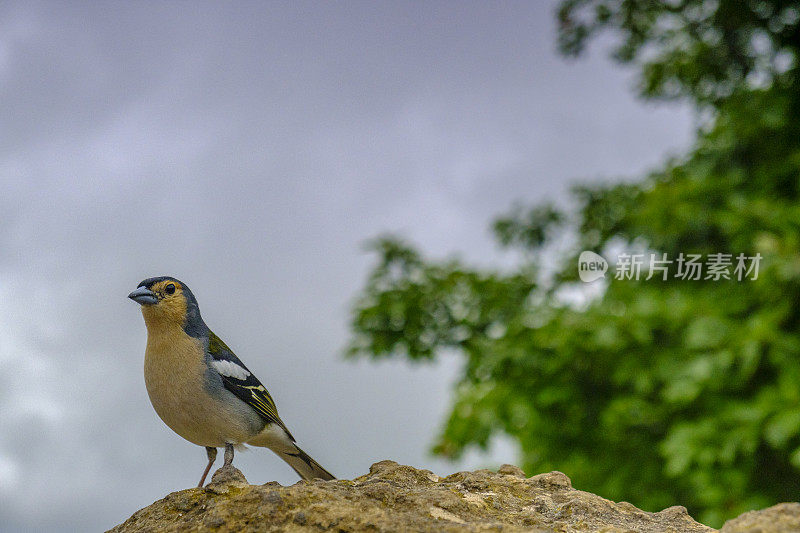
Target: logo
(591, 266)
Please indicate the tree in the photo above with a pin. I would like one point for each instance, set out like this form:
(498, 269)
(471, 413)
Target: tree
(658, 392)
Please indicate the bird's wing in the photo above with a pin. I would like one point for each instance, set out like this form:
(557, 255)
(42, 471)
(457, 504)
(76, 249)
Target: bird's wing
(241, 382)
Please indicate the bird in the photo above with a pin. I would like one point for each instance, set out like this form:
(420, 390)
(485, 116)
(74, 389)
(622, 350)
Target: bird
(201, 389)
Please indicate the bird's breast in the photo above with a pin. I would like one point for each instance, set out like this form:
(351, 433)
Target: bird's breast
(175, 377)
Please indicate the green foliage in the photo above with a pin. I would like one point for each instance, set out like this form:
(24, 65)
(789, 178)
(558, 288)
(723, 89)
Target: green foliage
(705, 49)
(655, 392)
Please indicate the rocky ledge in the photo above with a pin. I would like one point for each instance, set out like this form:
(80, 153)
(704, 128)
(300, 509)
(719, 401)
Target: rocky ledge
(395, 497)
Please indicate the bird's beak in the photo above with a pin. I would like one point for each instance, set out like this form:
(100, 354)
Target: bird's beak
(143, 296)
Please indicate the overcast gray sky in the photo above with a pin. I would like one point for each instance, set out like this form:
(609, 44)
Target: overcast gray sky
(250, 149)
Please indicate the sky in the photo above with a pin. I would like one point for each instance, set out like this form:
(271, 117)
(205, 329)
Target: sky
(250, 150)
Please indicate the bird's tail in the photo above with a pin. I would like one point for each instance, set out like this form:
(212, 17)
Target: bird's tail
(302, 463)
(278, 439)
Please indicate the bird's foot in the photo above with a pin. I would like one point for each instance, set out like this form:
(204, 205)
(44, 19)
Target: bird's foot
(212, 455)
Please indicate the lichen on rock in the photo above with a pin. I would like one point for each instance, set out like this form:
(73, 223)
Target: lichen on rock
(394, 497)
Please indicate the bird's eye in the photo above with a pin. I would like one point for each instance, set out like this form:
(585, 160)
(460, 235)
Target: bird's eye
(170, 289)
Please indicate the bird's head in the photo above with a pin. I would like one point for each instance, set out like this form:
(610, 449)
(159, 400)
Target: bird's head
(167, 301)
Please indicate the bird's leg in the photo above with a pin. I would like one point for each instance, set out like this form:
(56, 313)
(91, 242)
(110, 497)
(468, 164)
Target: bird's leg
(228, 454)
(212, 456)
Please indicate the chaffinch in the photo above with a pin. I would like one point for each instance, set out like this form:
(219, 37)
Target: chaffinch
(200, 389)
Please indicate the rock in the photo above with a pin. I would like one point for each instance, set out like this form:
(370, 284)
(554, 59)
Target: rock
(781, 518)
(511, 470)
(394, 497)
(225, 479)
